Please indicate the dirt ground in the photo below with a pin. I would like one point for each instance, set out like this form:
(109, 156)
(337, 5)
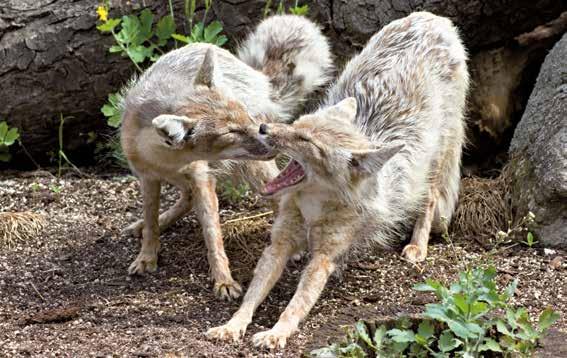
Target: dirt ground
(66, 292)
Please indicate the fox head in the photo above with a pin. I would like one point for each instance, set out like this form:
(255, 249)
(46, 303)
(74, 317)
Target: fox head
(211, 124)
(328, 151)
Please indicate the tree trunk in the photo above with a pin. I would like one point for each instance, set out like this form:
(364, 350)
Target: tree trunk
(54, 62)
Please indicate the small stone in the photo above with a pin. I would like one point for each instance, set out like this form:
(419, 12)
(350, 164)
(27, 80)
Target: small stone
(556, 262)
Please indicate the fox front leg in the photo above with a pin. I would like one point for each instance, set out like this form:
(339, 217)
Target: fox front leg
(148, 256)
(288, 235)
(326, 249)
(205, 203)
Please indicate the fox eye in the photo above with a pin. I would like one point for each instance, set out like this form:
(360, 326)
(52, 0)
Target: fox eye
(189, 133)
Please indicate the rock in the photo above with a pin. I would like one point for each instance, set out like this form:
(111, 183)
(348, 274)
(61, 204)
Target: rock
(538, 152)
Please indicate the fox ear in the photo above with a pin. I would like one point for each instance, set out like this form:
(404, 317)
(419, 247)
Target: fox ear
(206, 74)
(173, 129)
(344, 110)
(370, 161)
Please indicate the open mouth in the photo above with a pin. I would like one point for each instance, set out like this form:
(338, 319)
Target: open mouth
(291, 175)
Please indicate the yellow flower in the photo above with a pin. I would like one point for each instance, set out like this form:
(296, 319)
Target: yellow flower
(102, 12)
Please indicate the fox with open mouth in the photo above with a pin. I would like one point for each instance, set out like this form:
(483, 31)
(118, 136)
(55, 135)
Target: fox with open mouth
(380, 159)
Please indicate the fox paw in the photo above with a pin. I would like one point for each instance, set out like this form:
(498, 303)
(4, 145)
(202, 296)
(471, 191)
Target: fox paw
(272, 339)
(143, 263)
(134, 229)
(227, 290)
(230, 331)
(413, 253)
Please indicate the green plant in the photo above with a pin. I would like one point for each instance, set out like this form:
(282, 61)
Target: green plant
(201, 33)
(513, 232)
(471, 319)
(60, 153)
(8, 136)
(112, 109)
(137, 38)
(233, 193)
(280, 9)
(299, 10)
(56, 189)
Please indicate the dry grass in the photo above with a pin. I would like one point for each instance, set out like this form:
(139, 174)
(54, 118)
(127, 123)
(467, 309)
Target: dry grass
(484, 207)
(15, 227)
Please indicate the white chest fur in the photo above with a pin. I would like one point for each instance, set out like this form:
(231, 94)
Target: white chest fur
(311, 206)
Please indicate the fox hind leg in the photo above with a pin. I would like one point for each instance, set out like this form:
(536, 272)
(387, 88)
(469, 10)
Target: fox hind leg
(416, 250)
(181, 207)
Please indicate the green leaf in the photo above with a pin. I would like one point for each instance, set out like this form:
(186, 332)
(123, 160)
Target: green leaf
(460, 330)
(3, 131)
(461, 302)
(131, 30)
(479, 308)
(181, 38)
(447, 341)
(401, 336)
(299, 10)
(429, 285)
(379, 335)
(490, 344)
(165, 28)
(11, 136)
(511, 289)
(108, 110)
(547, 318)
(146, 20)
(530, 239)
(115, 121)
(362, 333)
(352, 350)
(425, 329)
(197, 32)
(436, 312)
(221, 40)
(114, 49)
(501, 327)
(109, 25)
(212, 31)
(139, 54)
(5, 157)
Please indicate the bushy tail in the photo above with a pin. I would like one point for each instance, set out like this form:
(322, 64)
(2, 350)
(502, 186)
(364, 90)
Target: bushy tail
(294, 54)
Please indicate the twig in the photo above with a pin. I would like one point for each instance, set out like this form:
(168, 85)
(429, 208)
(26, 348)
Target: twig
(248, 217)
(35, 289)
(543, 32)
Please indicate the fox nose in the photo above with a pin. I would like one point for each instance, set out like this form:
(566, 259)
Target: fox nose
(263, 129)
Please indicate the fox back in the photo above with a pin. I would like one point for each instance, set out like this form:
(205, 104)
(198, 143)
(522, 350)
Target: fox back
(410, 83)
(406, 89)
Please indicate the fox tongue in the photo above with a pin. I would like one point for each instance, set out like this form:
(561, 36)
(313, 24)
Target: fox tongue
(290, 175)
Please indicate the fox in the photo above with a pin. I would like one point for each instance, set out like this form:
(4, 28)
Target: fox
(378, 161)
(183, 117)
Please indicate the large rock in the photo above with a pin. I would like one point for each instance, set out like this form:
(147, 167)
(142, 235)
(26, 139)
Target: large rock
(538, 151)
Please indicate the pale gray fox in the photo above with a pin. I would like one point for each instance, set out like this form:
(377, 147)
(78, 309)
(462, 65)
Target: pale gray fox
(379, 159)
(188, 108)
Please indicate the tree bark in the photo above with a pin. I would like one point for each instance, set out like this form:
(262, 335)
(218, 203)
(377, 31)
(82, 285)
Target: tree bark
(54, 62)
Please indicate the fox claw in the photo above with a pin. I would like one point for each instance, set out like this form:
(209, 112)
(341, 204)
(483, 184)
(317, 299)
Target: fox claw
(227, 290)
(230, 331)
(413, 253)
(271, 339)
(143, 263)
